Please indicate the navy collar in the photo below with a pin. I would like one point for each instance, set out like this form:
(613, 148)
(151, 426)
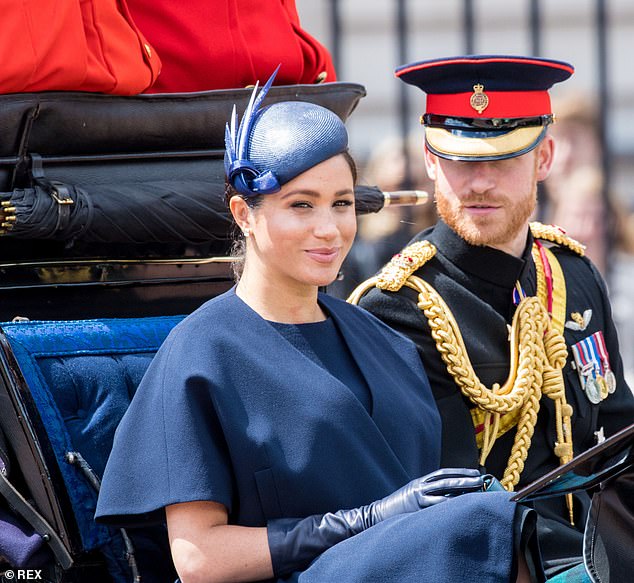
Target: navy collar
(490, 265)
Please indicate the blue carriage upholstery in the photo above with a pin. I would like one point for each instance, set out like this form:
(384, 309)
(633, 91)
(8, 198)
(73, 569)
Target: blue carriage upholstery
(81, 375)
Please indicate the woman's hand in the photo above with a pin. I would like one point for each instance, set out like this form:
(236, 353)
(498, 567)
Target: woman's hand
(206, 549)
(423, 492)
(294, 543)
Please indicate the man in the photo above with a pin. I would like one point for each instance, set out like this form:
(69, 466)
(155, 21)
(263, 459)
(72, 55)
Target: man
(512, 323)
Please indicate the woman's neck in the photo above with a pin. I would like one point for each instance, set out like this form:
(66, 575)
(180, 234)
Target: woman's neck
(280, 303)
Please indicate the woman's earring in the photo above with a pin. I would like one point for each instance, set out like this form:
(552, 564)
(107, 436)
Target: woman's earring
(246, 233)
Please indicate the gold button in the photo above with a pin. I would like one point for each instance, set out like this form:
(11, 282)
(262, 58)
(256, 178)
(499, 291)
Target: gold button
(321, 77)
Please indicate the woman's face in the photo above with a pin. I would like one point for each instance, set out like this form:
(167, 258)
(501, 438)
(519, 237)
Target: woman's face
(301, 235)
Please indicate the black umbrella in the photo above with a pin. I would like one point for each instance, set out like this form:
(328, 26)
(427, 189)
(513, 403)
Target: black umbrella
(149, 212)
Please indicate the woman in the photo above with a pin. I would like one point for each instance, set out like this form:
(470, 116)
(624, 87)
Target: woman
(273, 407)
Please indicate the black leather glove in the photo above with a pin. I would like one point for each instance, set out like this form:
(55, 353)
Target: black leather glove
(295, 542)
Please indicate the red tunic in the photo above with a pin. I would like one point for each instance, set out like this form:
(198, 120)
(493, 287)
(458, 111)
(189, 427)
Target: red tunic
(92, 45)
(222, 44)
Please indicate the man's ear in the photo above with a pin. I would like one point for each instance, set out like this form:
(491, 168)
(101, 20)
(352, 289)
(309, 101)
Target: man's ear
(240, 211)
(545, 155)
(431, 161)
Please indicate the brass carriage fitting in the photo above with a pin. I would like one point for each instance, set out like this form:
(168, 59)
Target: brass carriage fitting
(61, 199)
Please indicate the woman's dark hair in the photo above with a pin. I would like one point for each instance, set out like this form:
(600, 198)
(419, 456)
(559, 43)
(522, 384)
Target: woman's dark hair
(238, 245)
(353, 166)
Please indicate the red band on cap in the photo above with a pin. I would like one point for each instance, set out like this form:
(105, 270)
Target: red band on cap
(500, 104)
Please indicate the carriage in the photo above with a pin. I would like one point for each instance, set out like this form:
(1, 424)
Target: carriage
(114, 227)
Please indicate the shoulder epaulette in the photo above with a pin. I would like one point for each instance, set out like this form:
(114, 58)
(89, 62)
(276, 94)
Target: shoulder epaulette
(403, 264)
(557, 235)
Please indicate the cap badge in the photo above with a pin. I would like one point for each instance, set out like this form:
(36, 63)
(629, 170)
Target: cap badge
(479, 100)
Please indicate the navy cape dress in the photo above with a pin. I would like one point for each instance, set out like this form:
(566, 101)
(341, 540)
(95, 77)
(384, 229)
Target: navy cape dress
(230, 411)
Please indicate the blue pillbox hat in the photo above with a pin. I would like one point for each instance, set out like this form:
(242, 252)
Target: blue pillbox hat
(275, 144)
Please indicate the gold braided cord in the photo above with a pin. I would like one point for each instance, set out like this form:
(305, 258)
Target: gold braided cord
(449, 342)
(523, 387)
(553, 382)
(395, 273)
(359, 291)
(554, 385)
(557, 235)
(538, 355)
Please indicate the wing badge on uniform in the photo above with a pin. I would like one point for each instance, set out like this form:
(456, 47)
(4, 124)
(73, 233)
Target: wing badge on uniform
(578, 322)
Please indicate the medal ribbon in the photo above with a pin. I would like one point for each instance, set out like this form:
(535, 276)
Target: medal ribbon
(580, 355)
(589, 353)
(599, 341)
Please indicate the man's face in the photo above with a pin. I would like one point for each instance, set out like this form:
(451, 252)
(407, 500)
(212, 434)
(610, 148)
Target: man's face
(490, 203)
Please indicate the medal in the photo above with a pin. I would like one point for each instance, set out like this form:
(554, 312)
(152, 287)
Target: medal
(608, 375)
(593, 391)
(603, 386)
(593, 366)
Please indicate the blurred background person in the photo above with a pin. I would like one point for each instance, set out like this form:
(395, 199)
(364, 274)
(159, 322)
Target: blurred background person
(574, 198)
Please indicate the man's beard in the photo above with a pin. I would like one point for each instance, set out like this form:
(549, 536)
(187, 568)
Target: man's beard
(486, 231)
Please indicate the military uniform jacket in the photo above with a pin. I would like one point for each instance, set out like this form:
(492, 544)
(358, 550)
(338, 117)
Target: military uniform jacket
(477, 284)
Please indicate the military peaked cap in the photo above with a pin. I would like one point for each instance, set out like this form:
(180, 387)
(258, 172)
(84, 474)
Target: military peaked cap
(485, 107)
